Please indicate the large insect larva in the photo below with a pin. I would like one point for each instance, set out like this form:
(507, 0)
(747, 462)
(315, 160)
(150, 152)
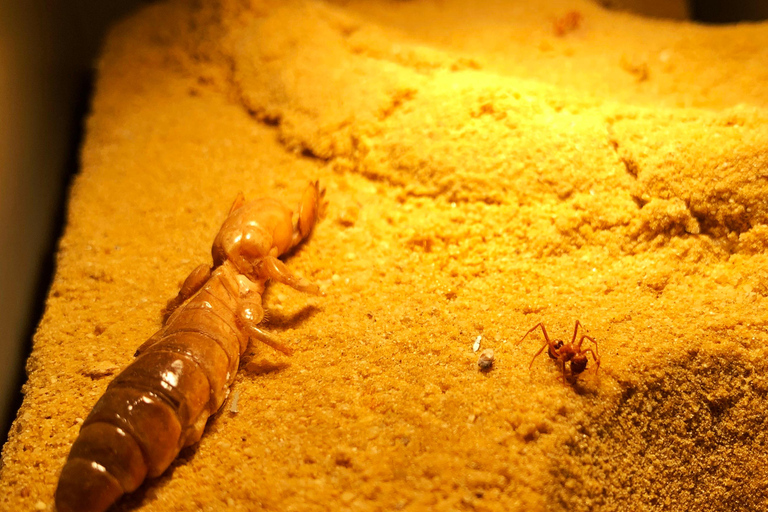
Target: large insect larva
(161, 402)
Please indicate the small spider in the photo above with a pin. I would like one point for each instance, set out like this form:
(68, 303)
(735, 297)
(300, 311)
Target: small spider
(567, 352)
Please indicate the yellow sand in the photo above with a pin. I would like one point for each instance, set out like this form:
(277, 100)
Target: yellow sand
(483, 175)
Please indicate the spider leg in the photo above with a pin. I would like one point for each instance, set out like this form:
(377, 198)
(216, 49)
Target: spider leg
(576, 330)
(540, 324)
(549, 343)
(546, 337)
(595, 356)
(537, 354)
(585, 337)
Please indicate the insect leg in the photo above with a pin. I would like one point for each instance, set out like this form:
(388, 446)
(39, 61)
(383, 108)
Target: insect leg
(269, 339)
(249, 314)
(192, 284)
(279, 272)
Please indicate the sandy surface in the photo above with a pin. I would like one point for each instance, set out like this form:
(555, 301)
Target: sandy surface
(483, 174)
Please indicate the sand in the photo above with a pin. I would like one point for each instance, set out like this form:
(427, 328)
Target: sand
(485, 171)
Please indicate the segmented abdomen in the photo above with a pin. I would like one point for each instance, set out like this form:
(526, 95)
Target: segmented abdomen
(159, 404)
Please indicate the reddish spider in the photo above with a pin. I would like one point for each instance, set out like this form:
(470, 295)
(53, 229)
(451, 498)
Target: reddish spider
(567, 352)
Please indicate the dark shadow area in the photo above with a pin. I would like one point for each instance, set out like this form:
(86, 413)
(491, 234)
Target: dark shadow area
(48, 49)
(277, 321)
(48, 265)
(693, 436)
(146, 493)
(724, 11)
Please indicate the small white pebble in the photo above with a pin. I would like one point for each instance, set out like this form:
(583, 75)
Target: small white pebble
(476, 345)
(233, 405)
(486, 359)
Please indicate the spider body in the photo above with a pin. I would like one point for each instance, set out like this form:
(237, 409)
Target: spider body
(571, 354)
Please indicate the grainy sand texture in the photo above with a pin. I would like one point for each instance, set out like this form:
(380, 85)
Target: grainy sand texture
(488, 166)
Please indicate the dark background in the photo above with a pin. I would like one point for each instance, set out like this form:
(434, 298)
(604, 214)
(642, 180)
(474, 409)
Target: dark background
(47, 52)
